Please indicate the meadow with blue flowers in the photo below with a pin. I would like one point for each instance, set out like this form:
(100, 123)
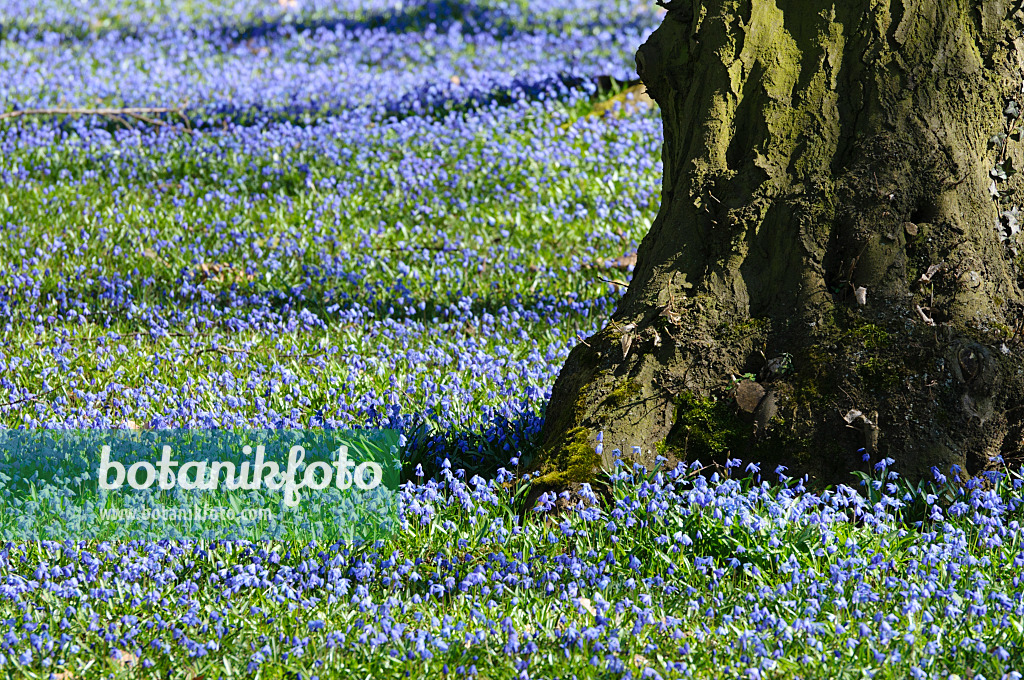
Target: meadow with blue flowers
(395, 214)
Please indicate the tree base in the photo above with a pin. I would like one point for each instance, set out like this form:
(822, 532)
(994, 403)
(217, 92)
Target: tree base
(829, 274)
(823, 402)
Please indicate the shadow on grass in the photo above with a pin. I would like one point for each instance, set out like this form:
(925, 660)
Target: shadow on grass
(412, 18)
(429, 100)
(478, 451)
(475, 18)
(472, 18)
(370, 301)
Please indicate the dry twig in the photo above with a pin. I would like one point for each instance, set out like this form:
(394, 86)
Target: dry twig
(143, 114)
(31, 398)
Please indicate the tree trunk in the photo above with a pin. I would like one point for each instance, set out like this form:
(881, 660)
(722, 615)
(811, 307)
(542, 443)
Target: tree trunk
(833, 271)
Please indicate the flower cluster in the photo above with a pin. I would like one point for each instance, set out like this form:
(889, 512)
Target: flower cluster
(393, 215)
(681, 575)
(403, 214)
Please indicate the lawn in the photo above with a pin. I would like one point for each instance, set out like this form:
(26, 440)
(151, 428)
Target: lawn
(403, 215)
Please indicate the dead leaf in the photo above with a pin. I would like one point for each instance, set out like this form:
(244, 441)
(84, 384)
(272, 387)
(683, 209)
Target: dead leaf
(124, 658)
(627, 342)
(924, 317)
(455, 81)
(910, 228)
(585, 603)
(748, 395)
(932, 271)
(861, 296)
(151, 254)
(624, 263)
(625, 103)
(221, 273)
(851, 416)
(672, 317)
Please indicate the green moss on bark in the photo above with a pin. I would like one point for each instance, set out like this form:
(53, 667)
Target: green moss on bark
(575, 461)
(800, 143)
(622, 394)
(708, 427)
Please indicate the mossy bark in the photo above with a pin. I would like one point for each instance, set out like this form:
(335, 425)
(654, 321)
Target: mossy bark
(828, 228)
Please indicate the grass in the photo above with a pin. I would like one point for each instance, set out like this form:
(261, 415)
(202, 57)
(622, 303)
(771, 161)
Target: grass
(677, 577)
(376, 223)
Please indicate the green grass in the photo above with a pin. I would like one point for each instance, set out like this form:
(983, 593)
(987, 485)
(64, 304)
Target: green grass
(681, 593)
(190, 218)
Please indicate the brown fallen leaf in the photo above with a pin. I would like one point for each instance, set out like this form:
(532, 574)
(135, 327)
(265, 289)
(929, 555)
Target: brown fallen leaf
(624, 263)
(627, 342)
(861, 295)
(673, 317)
(924, 317)
(586, 604)
(151, 254)
(221, 273)
(748, 395)
(932, 271)
(852, 415)
(631, 100)
(124, 658)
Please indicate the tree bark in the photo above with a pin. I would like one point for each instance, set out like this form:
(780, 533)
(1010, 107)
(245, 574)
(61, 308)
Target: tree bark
(829, 230)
